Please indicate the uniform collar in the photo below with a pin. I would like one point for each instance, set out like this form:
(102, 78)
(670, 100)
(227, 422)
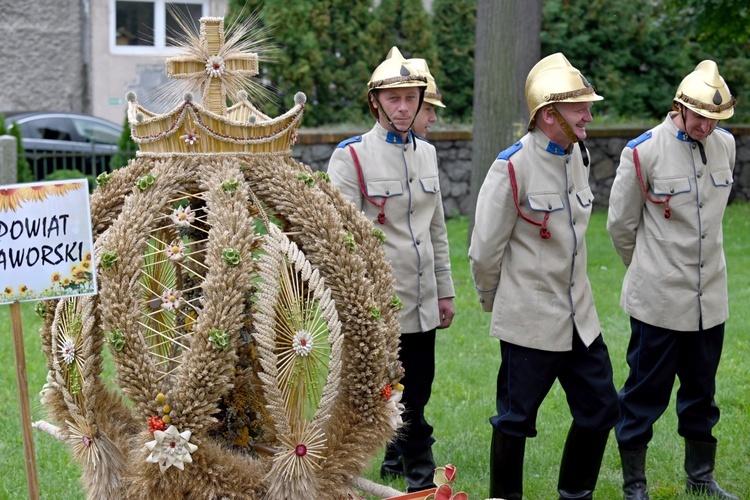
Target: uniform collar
(391, 137)
(543, 142)
(675, 130)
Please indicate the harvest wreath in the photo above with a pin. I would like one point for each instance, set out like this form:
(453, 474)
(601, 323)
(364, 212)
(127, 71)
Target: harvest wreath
(247, 306)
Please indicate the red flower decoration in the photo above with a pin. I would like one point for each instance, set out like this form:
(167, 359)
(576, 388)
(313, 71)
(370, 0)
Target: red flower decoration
(386, 392)
(445, 492)
(450, 472)
(155, 424)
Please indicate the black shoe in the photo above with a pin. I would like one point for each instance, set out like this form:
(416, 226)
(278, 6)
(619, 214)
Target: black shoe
(506, 466)
(419, 471)
(392, 466)
(700, 459)
(634, 474)
(581, 461)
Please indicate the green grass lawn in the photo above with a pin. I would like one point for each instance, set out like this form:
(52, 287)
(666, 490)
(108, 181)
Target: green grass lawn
(464, 390)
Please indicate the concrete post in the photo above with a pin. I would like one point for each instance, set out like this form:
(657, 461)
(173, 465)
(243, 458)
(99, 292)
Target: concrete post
(8, 160)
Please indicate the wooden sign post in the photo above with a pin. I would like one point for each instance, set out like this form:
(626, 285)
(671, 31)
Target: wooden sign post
(23, 400)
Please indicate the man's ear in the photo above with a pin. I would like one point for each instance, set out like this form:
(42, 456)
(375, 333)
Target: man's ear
(547, 115)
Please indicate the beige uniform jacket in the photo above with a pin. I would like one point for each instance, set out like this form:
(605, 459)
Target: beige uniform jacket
(676, 269)
(416, 237)
(537, 289)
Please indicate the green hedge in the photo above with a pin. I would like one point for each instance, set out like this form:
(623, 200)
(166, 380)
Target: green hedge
(634, 51)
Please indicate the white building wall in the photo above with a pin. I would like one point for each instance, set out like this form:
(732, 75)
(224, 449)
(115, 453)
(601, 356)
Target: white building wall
(113, 73)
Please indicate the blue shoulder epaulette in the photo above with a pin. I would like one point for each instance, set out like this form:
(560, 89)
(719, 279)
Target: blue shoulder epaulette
(641, 138)
(348, 141)
(505, 155)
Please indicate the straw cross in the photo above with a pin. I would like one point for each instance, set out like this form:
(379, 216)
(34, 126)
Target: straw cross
(215, 63)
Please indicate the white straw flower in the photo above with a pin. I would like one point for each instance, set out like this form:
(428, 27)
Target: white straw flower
(171, 448)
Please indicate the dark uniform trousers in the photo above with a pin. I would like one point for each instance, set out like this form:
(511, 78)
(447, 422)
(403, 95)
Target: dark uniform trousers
(655, 356)
(417, 355)
(526, 376)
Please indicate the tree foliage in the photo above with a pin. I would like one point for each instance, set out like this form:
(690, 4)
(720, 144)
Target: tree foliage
(719, 30)
(622, 49)
(636, 52)
(126, 146)
(453, 24)
(327, 49)
(408, 26)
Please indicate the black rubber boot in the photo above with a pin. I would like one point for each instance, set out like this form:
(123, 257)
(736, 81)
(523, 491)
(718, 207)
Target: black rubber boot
(700, 459)
(391, 466)
(582, 459)
(506, 466)
(634, 474)
(419, 471)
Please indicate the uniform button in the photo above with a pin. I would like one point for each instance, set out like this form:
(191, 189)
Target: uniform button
(411, 179)
(726, 180)
(575, 254)
(701, 204)
(703, 236)
(671, 190)
(702, 264)
(419, 241)
(700, 294)
(421, 273)
(387, 191)
(411, 211)
(573, 314)
(570, 190)
(419, 305)
(574, 222)
(700, 174)
(572, 284)
(694, 145)
(549, 206)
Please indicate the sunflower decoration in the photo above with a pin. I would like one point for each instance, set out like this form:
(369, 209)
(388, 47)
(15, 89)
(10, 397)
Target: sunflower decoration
(14, 197)
(10, 199)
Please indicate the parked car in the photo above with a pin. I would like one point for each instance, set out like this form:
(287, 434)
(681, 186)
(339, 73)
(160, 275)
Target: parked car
(55, 141)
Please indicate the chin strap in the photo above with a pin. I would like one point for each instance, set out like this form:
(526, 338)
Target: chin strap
(564, 125)
(701, 149)
(390, 122)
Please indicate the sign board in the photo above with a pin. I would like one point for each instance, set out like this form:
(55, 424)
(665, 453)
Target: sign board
(46, 244)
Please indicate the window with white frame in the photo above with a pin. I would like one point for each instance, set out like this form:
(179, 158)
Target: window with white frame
(149, 26)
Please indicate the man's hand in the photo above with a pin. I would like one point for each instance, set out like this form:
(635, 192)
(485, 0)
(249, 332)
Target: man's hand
(447, 311)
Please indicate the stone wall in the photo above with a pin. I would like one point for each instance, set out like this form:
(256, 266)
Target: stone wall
(42, 56)
(454, 150)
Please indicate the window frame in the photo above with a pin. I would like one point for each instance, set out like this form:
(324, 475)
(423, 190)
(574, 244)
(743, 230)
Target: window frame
(160, 46)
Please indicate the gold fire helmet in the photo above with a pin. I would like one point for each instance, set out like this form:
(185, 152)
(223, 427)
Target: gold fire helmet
(704, 92)
(554, 79)
(432, 94)
(394, 72)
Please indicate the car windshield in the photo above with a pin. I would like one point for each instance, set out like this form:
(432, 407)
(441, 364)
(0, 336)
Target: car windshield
(53, 128)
